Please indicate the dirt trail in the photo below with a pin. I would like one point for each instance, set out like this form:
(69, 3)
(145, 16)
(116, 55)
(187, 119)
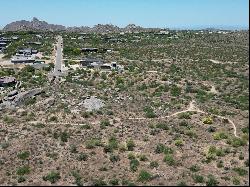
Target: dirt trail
(191, 108)
(57, 123)
(220, 62)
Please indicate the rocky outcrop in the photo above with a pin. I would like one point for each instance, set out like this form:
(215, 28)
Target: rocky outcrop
(34, 25)
(14, 98)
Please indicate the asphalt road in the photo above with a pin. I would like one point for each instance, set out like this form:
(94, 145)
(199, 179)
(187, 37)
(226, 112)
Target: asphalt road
(59, 56)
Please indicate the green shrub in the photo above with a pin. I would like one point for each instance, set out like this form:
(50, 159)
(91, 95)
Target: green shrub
(131, 156)
(246, 163)
(104, 124)
(194, 168)
(8, 119)
(28, 68)
(220, 135)
(90, 144)
(85, 114)
(130, 145)
(182, 183)
(207, 120)
(178, 142)
(175, 91)
(114, 182)
(134, 163)
(154, 164)
(220, 164)
(245, 130)
(30, 101)
(185, 115)
(53, 118)
(198, 178)
(21, 179)
(82, 157)
(73, 149)
(78, 178)
(149, 112)
(237, 142)
(240, 171)
(113, 143)
(220, 152)
(191, 133)
(64, 136)
(162, 126)
(5, 145)
(236, 181)
(169, 159)
(114, 158)
(99, 182)
(211, 181)
(143, 158)
(87, 126)
(23, 155)
(144, 176)
(52, 176)
(160, 148)
(23, 170)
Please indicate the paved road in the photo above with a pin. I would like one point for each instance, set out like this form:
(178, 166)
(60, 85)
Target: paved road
(59, 57)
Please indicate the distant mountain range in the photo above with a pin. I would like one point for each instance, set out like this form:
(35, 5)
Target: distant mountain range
(37, 25)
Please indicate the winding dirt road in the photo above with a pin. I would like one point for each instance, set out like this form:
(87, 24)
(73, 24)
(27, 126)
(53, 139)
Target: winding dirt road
(191, 108)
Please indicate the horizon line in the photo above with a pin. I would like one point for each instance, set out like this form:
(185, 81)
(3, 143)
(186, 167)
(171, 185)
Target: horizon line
(194, 27)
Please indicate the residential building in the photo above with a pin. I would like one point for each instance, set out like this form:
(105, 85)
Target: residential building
(23, 59)
(91, 62)
(89, 49)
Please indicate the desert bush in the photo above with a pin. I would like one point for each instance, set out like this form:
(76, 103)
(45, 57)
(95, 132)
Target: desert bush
(23, 155)
(78, 178)
(240, 171)
(220, 135)
(149, 112)
(134, 163)
(144, 176)
(130, 145)
(178, 142)
(114, 158)
(198, 178)
(82, 157)
(143, 158)
(194, 168)
(52, 177)
(207, 120)
(104, 124)
(236, 142)
(153, 164)
(92, 143)
(169, 159)
(211, 181)
(160, 148)
(23, 170)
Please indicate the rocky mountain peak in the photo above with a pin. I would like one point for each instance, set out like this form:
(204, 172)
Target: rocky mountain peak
(35, 19)
(36, 25)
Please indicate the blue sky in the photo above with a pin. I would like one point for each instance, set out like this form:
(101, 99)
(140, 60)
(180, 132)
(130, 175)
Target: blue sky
(147, 13)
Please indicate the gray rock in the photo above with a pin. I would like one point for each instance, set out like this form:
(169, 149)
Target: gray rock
(19, 99)
(93, 104)
(12, 93)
